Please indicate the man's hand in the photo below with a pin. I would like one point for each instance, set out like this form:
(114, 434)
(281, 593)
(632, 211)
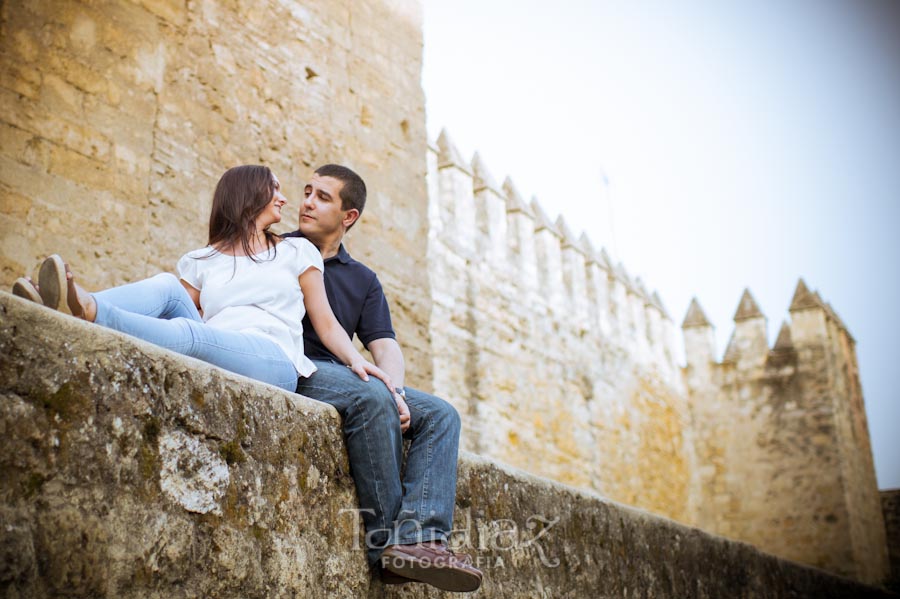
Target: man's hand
(403, 409)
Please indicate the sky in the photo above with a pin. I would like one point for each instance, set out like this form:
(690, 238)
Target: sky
(711, 146)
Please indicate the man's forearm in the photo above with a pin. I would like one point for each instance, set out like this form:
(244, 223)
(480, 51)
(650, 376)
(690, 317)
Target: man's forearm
(387, 355)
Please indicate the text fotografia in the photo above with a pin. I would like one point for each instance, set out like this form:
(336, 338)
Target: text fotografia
(487, 536)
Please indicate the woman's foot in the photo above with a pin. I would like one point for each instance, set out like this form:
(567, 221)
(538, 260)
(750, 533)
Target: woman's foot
(80, 303)
(25, 288)
(52, 283)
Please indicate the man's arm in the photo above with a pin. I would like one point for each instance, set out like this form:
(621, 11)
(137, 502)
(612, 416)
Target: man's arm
(388, 357)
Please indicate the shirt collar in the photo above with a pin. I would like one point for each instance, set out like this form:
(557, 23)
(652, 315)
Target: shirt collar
(342, 256)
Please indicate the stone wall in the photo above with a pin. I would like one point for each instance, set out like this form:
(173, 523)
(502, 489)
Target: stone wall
(890, 503)
(563, 365)
(129, 471)
(782, 441)
(117, 119)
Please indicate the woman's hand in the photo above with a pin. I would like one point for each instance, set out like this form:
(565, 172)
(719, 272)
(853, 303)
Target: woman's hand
(363, 368)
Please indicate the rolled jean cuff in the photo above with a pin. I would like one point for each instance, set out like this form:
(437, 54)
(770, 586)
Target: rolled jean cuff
(426, 536)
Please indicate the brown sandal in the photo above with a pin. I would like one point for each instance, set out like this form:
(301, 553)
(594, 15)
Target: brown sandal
(52, 281)
(24, 288)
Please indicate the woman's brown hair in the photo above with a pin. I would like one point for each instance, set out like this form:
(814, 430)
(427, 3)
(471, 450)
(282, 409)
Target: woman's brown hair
(241, 195)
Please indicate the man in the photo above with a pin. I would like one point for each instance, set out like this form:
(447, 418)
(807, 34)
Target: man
(407, 521)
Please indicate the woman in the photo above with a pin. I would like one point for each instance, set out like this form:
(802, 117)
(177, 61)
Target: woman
(237, 303)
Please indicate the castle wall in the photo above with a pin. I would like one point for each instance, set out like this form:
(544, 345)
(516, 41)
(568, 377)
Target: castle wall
(117, 118)
(526, 350)
(779, 462)
(890, 505)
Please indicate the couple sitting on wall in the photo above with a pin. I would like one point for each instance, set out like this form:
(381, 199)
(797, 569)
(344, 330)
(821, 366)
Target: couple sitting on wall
(283, 310)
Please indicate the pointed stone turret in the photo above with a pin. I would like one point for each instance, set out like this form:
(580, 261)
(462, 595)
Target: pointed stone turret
(731, 350)
(454, 217)
(514, 201)
(574, 267)
(490, 207)
(699, 342)
(803, 298)
(695, 316)
(837, 318)
(597, 283)
(448, 154)
(809, 317)
(605, 260)
(748, 344)
(482, 178)
(568, 238)
(541, 220)
(783, 343)
(747, 308)
(641, 289)
(622, 275)
(658, 304)
(587, 248)
(548, 250)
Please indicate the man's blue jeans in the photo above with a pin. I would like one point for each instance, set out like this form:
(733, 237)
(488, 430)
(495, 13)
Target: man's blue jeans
(420, 506)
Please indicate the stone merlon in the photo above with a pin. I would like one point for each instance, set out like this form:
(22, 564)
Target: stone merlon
(747, 308)
(783, 342)
(695, 316)
(541, 220)
(130, 471)
(568, 238)
(448, 154)
(514, 201)
(803, 299)
(482, 177)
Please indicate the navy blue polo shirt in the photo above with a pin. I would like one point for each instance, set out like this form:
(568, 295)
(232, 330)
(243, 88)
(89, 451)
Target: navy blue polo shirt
(357, 300)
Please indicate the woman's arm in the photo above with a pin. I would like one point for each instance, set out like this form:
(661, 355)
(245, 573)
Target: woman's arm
(329, 329)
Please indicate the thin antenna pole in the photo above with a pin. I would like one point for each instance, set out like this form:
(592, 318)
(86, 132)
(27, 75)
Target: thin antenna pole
(609, 203)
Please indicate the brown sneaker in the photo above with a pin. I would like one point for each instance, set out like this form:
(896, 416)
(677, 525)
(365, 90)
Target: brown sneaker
(433, 563)
(388, 577)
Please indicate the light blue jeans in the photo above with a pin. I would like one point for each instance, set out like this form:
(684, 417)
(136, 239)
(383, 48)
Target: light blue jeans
(160, 311)
(399, 510)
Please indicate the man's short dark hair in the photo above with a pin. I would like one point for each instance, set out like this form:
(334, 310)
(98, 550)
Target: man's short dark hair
(353, 192)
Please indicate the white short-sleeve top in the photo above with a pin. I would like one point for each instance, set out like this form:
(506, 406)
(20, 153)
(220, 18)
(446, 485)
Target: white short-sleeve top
(261, 297)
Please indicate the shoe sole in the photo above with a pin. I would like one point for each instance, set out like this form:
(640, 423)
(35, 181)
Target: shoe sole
(25, 289)
(53, 286)
(388, 577)
(446, 579)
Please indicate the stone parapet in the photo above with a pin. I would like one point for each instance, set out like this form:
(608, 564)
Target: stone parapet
(890, 505)
(130, 471)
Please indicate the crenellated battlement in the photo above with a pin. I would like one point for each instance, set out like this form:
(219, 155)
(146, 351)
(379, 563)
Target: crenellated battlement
(812, 319)
(781, 436)
(564, 364)
(476, 219)
(549, 348)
